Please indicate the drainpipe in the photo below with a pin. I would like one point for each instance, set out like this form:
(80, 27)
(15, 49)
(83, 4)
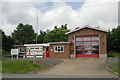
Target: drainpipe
(74, 47)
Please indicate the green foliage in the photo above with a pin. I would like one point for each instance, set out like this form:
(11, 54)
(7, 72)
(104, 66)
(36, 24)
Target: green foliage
(0, 39)
(5, 52)
(113, 39)
(24, 34)
(115, 67)
(56, 35)
(7, 42)
(19, 66)
(113, 54)
(41, 36)
(0, 66)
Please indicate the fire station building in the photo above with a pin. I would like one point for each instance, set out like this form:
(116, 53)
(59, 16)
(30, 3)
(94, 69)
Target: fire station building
(88, 42)
(84, 42)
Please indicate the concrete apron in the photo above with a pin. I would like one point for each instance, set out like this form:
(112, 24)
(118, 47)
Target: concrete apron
(82, 67)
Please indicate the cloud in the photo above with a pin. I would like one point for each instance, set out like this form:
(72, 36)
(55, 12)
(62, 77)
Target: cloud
(26, 0)
(15, 12)
(101, 13)
(57, 16)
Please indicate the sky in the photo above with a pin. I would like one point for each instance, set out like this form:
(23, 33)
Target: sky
(49, 13)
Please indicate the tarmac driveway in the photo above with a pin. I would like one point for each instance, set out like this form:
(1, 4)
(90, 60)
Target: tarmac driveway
(83, 68)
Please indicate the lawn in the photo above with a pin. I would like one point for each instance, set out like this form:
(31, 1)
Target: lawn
(115, 67)
(20, 66)
(113, 54)
(0, 66)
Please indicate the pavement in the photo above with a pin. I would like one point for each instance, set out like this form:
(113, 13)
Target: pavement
(72, 68)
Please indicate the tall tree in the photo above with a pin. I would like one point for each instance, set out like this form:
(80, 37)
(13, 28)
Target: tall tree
(56, 35)
(7, 42)
(24, 34)
(41, 36)
(113, 38)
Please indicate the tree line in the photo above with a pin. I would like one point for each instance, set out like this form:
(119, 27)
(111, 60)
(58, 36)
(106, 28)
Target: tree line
(113, 39)
(24, 34)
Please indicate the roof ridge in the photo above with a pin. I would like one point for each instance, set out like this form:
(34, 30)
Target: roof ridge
(86, 26)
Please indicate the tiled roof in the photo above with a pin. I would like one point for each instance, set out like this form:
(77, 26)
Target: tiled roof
(87, 26)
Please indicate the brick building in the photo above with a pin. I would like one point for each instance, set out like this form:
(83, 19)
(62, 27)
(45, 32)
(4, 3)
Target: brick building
(84, 42)
(88, 42)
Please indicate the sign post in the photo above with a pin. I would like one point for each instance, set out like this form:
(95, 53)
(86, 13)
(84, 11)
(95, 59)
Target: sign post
(36, 52)
(14, 52)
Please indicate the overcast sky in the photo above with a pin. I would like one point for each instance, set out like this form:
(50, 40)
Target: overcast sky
(102, 13)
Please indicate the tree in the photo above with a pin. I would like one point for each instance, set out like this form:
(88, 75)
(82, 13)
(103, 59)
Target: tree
(113, 39)
(7, 42)
(24, 34)
(0, 44)
(56, 35)
(41, 36)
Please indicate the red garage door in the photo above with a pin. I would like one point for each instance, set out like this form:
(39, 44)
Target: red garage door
(87, 46)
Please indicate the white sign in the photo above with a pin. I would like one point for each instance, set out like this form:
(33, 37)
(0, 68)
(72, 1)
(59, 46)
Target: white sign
(37, 51)
(14, 51)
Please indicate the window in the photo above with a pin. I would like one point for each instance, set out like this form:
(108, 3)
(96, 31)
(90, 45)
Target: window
(95, 38)
(95, 43)
(78, 39)
(87, 47)
(22, 50)
(86, 43)
(36, 48)
(59, 49)
(79, 48)
(31, 48)
(86, 38)
(78, 43)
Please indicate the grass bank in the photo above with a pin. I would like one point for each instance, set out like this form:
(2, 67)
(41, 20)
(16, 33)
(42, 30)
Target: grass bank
(20, 66)
(115, 67)
(0, 66)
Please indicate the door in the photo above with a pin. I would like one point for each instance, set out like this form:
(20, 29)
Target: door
(87, 46)
(47, 52)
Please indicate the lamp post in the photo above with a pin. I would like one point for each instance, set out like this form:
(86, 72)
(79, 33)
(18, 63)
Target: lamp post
(36, 24)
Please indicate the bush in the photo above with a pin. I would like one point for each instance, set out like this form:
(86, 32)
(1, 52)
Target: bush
(113, 54)
(5, 52)
(110, 55)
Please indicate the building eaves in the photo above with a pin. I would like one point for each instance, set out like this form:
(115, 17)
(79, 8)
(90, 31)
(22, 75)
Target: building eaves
(87, 26)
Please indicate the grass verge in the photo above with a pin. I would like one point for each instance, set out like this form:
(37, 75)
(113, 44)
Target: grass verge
(20, 66)
(113, 54)
(0, 66)
(115, 67)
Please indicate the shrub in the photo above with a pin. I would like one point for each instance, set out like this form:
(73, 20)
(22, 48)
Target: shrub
(5, 52)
